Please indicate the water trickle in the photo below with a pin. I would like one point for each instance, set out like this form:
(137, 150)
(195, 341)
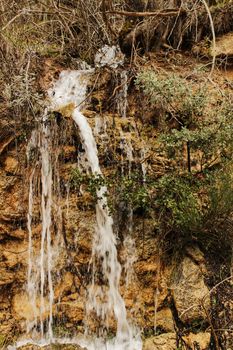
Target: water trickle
(40, 265)
(46, 207)
(122, 94)
(126, 153)
(143, 164)
(103, 299)
(129, 256)
(31, 290)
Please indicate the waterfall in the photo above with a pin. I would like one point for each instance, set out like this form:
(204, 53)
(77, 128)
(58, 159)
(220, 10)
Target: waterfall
(104, 300)
(39, 279)
(31, 290)
(46, 206)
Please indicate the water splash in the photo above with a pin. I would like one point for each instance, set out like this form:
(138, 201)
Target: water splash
(104, 299)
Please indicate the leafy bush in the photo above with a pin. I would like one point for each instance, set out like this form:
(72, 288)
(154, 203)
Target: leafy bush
(126, 189)
(174, 95)
(177, 201)
(193, 198)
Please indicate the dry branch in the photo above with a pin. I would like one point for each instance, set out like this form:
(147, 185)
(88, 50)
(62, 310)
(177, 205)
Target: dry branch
(167, 13)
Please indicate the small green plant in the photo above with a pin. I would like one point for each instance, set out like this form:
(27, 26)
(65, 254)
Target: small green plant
(92, 183)
(126, 189)
(130, 190)
(174, 95)
(178, 203)
(192, 199)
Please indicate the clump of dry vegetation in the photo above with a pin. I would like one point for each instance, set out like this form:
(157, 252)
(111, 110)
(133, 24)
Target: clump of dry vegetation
(66, 31)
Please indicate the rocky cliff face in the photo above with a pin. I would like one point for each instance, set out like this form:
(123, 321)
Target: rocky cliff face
(171, 300)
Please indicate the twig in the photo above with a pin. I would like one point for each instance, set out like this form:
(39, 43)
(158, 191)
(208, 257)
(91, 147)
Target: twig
(213, 34)
(105, 17)
(211, 324)
(168, 13)
(12, 20)
(218, 284)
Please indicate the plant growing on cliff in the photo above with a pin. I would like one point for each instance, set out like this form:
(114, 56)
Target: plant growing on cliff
(201, 133)
(195, 190)
(176, 97)
(127, 190)
(92, 183)
(177, 201)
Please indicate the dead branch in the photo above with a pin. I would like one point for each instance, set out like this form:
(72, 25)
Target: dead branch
(167, 13)
(213, 34)
(211, 324)
(105, 17)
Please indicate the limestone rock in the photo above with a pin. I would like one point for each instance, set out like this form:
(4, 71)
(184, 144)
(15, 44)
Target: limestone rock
(200, 340)
(21, 307)
(11, 165)
(190, 292)
(166, 341)
(68, 152)
(6, 277)
(65, 285)
(15, 254)
(74, 311)
(164, 320)
(19, 234)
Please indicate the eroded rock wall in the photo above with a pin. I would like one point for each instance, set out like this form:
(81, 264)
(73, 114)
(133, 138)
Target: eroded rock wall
(168, 300)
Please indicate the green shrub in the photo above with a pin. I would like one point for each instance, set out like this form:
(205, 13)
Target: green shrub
(193, 198)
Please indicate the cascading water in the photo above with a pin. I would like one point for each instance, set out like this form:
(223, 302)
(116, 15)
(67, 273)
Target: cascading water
(128, 244)
(46, 206)
(31, 290)
(40, 265)
(105, 299)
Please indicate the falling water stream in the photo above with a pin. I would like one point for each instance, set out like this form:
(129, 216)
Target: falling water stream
(103, 299)
(46, 206)
(70, 89)
(39, 279)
